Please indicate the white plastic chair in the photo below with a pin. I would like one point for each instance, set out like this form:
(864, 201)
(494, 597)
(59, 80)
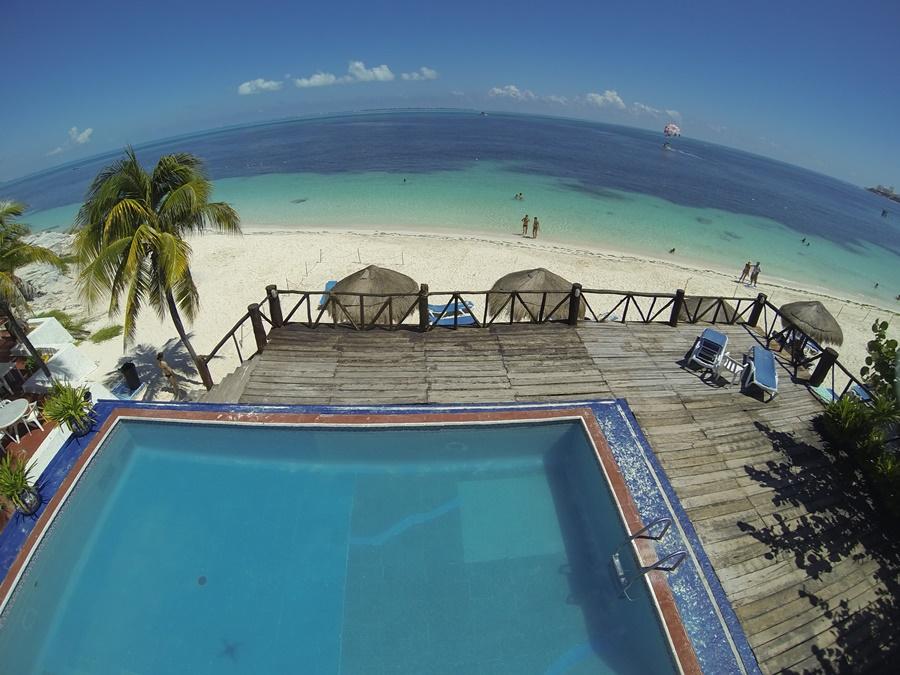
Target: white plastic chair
(730, 365)
(32, 415)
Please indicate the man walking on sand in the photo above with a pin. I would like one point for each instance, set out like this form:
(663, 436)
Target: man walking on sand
(525, 226)
(535, 226)
(746, 271)
(754, 274)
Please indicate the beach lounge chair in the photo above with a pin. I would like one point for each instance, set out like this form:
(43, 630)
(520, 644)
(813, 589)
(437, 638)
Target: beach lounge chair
(328, 286)
(860, 393)
(455, 314)
(824, 394)
(709, 349)
(760, 371)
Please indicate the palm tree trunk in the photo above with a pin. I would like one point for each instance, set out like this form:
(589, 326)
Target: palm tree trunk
(202, 368)
(23, 338)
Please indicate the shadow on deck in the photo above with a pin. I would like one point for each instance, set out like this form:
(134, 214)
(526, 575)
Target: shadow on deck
(801, 552)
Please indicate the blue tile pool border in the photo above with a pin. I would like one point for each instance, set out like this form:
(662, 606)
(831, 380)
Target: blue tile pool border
(637, 462)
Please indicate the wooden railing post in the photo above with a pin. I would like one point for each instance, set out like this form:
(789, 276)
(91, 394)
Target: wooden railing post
(823, 365)
(677, 304)
(756, 312)
(423, 308)
(274, 306)
(574, 304)
(259, 331)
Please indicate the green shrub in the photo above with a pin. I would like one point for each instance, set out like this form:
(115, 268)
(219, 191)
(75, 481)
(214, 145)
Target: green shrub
(880, 371)
(15, 478)
(106, 333)
(66, 405)
(846, 423)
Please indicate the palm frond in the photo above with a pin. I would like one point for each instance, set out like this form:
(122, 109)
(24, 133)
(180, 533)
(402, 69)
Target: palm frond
(10, 210)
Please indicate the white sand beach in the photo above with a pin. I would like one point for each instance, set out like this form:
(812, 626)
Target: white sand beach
(232, 272)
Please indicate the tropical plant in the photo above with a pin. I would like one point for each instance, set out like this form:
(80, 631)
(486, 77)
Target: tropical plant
(15, 480)
(846, 422)
(106, 333)
(16, 253)
(68, 405)
(130, 239)
(880, 371)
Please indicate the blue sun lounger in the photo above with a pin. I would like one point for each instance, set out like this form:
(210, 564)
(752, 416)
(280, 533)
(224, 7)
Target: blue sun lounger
(761, 372)
(455, 311)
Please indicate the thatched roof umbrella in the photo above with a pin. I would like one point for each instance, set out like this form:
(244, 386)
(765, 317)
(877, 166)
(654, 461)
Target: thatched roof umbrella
(529, 284)
(705, 309)
(811, 317)
(373, 280)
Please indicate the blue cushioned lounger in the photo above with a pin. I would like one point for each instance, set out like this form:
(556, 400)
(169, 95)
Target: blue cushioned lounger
(762, 373)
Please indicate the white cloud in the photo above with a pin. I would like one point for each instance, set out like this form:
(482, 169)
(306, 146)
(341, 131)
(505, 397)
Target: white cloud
(513, 92)
(640, 108)
(76, 137)
(357, 72)
(316, 80)
(553, 98)
(360, 73)
(258, 85)
(608, 98)
(457, 92)
(423, 73)
(80, 137)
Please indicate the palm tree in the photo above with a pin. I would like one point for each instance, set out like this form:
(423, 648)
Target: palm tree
(130, 239)
(16, 253)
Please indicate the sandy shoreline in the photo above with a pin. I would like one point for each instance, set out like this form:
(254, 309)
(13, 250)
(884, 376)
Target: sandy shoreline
(232, 272)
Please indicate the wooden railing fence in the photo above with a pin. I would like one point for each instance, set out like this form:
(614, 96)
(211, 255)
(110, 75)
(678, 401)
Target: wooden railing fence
(457, 309)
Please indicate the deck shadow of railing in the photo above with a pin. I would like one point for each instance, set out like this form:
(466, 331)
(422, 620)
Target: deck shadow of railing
(839, 524)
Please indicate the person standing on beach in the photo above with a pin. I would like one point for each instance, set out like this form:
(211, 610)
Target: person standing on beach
(535, 226)
(525, 226)
(754, 274)
(746, 271)
(170, 375)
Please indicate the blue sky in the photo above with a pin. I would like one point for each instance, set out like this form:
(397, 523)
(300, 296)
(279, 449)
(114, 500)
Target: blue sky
(812, 83)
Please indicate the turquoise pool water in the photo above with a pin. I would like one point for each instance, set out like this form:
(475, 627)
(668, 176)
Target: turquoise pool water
(220, 549)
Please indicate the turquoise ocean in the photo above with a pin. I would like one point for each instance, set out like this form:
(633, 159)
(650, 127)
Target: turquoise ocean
(592, 185)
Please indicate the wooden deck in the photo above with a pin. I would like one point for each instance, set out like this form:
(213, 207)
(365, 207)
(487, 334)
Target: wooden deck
(797, 546)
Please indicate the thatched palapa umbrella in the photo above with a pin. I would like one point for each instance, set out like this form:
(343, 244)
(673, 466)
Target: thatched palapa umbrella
(811, 317)
(376, 283)
(530, 285)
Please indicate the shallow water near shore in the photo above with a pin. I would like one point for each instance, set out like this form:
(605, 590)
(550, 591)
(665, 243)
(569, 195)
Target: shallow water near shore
(591, 185)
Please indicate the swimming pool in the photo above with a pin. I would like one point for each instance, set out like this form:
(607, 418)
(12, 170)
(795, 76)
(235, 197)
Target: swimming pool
(340, 544)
